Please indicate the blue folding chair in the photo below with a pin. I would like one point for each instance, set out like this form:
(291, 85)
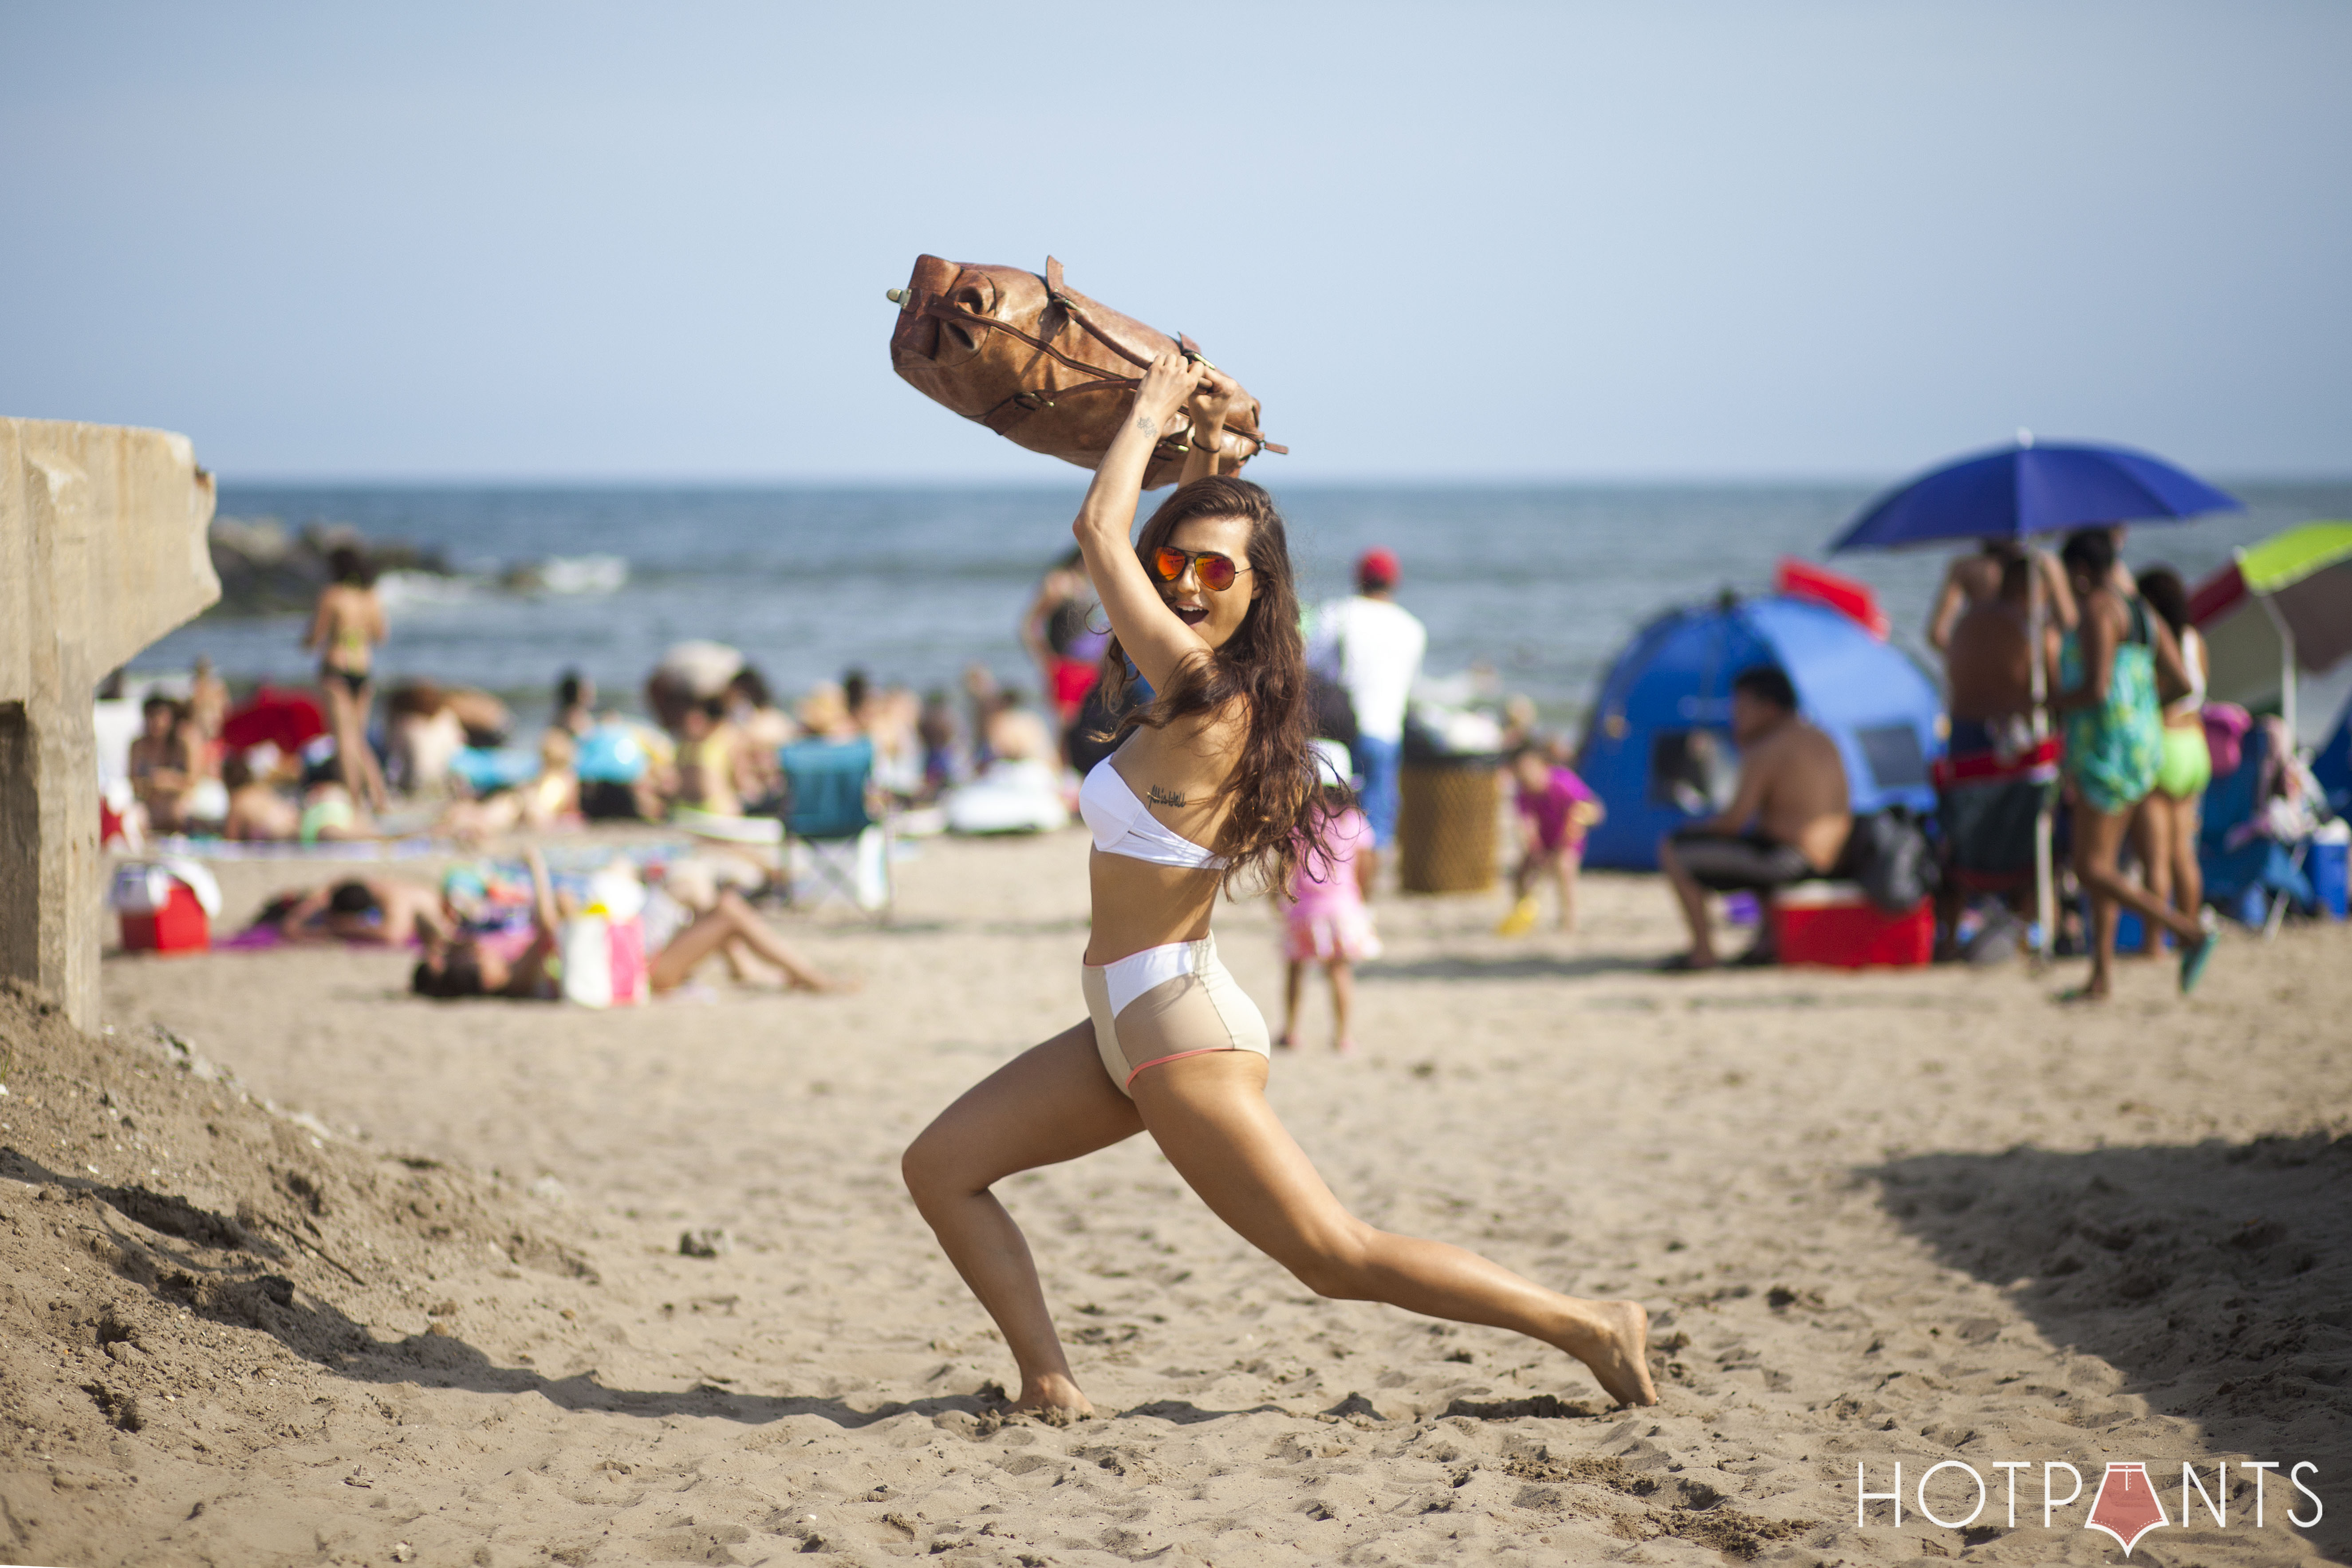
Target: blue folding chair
(2258, 879)
(828, 785)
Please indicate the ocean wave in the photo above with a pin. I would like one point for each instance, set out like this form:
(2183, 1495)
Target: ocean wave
(573, 575)
(418, 590)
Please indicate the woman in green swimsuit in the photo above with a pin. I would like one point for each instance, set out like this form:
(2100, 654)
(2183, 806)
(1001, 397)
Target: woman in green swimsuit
(2165, 830)
(2106, 692)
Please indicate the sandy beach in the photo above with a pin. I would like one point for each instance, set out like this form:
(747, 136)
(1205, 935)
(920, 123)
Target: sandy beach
(300, 1270)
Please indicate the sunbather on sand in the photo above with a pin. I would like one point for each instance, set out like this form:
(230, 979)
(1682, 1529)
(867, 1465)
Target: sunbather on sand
(365, 910)
(330, 816)
(516, 965)
(538, 803)
(710, 766)
(164, 764)
(258, 811)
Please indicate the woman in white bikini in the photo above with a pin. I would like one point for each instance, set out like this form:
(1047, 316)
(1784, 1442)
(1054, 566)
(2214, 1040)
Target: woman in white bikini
(1213, 781)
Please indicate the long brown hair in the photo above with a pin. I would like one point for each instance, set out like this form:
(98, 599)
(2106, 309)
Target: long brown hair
(1277, 807)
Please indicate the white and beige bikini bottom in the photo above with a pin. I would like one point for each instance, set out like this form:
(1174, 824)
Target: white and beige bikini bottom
(1169, 1002)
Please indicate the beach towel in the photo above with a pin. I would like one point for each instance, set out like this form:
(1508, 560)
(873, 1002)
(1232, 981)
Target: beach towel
(269, 938)
(346, 849)
(1039, 363)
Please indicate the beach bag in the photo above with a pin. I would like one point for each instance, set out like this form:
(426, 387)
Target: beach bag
(1891, 860)
(604, 961)
(603, 947)
(2226, 724)
(1040, 364)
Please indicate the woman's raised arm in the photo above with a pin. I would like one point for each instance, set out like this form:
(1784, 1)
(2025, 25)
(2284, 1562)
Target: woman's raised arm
(1146, 628)
(1210, 404)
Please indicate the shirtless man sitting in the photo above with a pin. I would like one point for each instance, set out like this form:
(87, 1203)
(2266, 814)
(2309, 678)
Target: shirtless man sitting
(1789, 821)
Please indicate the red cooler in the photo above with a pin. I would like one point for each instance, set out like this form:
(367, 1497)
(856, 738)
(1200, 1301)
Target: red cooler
(1834, 924)
(166, 906)
(179, 926)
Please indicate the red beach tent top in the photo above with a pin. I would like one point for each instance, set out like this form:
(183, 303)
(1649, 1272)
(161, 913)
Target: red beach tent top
(1803, 579)
(288, 718)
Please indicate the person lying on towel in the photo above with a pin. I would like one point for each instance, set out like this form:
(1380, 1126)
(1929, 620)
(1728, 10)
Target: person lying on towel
(521, 962)
(1788, 823)
(371, 911)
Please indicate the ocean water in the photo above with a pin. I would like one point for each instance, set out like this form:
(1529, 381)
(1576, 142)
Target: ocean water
(1542, 584)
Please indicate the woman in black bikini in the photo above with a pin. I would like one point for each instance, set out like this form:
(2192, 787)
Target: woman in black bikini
(1213, 781)
(344, 629)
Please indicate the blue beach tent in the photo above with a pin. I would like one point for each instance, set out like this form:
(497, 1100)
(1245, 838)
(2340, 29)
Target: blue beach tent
(1657, 750)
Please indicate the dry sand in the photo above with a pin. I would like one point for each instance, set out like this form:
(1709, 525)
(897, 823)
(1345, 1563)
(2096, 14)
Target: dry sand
(440, 1315)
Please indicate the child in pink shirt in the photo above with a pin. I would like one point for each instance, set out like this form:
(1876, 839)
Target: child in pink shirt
(1556, 809)
(1327, 922)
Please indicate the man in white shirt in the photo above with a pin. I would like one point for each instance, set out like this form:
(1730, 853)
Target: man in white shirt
(1372, 646)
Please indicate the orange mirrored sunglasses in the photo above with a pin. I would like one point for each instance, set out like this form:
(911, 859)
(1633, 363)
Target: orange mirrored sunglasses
(1217, 572)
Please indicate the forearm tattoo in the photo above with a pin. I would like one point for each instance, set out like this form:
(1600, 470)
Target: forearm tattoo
(1147, 424)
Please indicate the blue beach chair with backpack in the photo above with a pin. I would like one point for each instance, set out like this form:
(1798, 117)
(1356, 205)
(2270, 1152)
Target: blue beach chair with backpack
(2249, 875)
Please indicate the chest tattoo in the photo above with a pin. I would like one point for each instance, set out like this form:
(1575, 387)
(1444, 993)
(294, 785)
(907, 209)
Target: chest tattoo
(1159, 796)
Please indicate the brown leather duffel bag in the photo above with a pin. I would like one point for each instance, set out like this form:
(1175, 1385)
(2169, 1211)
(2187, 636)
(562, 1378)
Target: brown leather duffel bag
(1034, 361)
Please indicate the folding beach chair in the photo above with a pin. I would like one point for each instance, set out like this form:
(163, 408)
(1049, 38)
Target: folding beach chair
(1990, 812)
(2248, 874)
(828, 784)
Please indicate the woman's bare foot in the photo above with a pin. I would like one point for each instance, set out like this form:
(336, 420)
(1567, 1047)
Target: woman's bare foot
(1053, 1399)
(1613, 1342)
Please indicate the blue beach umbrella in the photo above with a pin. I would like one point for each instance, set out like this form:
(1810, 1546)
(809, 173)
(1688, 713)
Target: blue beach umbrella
(2017, 493)
(2028, 490)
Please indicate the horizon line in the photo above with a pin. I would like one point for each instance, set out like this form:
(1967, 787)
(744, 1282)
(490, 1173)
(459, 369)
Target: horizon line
(1632, 480)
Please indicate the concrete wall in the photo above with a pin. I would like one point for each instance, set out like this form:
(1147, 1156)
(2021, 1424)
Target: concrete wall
(101, 552)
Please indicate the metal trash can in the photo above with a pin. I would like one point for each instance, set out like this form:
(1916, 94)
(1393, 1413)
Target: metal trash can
(1446, 811)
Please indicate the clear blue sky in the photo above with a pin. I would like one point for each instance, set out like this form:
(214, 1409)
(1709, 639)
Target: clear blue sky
(1469, 240)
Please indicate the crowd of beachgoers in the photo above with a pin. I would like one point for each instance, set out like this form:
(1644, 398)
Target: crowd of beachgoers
(2120, 669)
(707, 748)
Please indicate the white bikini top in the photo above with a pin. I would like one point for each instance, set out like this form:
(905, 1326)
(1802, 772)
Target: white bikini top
(1122, 825)
(2192, 656)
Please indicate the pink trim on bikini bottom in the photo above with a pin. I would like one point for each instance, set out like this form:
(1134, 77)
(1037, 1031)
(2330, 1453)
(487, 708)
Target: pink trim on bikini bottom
(1180, 1056)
